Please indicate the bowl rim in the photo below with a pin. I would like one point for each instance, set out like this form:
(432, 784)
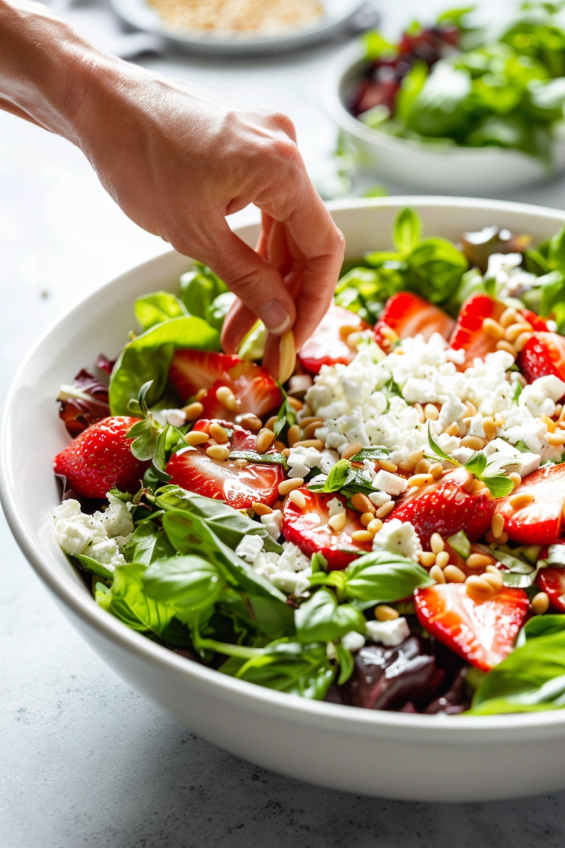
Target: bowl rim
(73, 597)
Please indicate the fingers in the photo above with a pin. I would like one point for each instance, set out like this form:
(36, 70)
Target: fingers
(237, 324)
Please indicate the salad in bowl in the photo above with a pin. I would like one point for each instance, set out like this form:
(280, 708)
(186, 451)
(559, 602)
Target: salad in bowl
(382, 529)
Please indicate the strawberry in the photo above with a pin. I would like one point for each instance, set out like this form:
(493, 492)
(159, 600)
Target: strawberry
(326, 346)
(240, 439)
(407, 314)
(552, 581)
(308, 528)
(538, 324)
(543, 355)
(255, 391)
(193, 470)
(468, 334)
(482, 633)
(446, 507)
(100, 458)
(540, 521)
(192, 370)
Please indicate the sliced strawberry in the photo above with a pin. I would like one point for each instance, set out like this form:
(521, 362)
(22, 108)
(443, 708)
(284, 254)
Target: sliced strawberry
(100, 458)
(482, 633)
(538, 324)
(408, 315)
(255, 391)
(543, 355)
(193, 470)
(540, 521)
(446, 508)
(468, 334)
(192, 370)
(552, 581)
(308, 528)
(326, 346)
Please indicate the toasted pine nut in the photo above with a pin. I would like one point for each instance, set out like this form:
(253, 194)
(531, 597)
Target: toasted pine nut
(264, 440)
(478, 589)
(478, 561)
(415, 456)
(309, 443)
(469, 484)
(297, 498)
(351, 450)
(286, 452)
(497, 524)
(442, 559)
(491, 538)
(337, 522)
(540, 603)
(296, 404)
(473, 442)
(384, 510)
(495, 580)
(220, 452)
(250, 422)
(437, 574)
(436, 470)
(294, 434)
(286, 487)
(193, 411)
(522, 340)
(422, 467)
(219, 433)
(270, 425)
(227, 398)
(386, 465)
(346, 329)
(362, 536)
(502, 539)
(280, 446)
(492, 569)
(509, 316)
(471, 407)
(431, 412)
(490, 428)
(453, 429)
(420, 480)
(514, 330)
(200, 394)
(310, 429)
(196, 437)
(374, 526)
(420, 410)
(405, 466)
(363, 504)
(385, 613)
(427, 559)
(479, 487)
(240, 463)
(493, 329)
(556, 439)
(287, 356)
(521, 500)
(366, 518)
(516, 479)
(453, 574)
(551, 425)
(261, 508)
(504, 345)
(436, 543)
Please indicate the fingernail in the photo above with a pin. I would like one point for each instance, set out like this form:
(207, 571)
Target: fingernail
(275, 317)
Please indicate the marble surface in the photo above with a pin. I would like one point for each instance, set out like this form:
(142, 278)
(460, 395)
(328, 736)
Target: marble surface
(83, 760)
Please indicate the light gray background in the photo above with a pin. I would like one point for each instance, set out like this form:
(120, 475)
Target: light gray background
(83, 760)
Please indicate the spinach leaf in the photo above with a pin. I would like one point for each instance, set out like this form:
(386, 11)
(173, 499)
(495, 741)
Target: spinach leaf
(321, 619)
(293, 668)
(406, 230)
(157, 307)
(199, 288)
(94, 567)
(260, 458)
(126, 600)
(189, 584)
(340, 475)
(148, 543)
(346, 664)
(383, 578)
(540, 625)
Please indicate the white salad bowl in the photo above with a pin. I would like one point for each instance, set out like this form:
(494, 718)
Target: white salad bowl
(396, 755)
(476, 171)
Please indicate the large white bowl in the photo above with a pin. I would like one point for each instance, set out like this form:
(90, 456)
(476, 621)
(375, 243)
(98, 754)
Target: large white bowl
(379, 753)
(476, 171)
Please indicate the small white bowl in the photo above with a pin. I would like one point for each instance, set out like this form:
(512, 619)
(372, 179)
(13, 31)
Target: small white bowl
(396, 755)
(476, 171)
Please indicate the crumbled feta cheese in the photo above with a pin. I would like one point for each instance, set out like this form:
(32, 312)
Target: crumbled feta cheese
(335, 507)
(249, 548)
(116, 518)
(379, 498)
(273, 522)
(390, 483)
(505, 456)
(289, 571)
(388, 633)
(398, 537)
(92, 535)
(353, 641)
(301, 460)
(328, 459)
(174, 417)
(462, 454)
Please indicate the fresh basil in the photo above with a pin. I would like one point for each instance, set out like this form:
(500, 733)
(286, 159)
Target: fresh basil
(152, 309)
(406, 230)
(286, 417)
(291, 667)
(322, 619)
(148, 543)
(126, 600)
(260, 458)
(540, 625)
(94, 567)
(346, 664)
(199, 289)
(382, 577)
(189, 584)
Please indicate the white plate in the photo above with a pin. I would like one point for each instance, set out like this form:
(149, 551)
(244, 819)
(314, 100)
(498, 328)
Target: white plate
(397, 755)
(139, 14)
(476, 171)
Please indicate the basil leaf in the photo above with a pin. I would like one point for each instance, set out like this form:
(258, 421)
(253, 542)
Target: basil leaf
(346, 664)
(189, 584)
(341, 474)
(127, 601)
(157, 307)
(437, 450)
(406, 230)
(321, 619)
(260, 458)
(216, 313)
(373, 453)
(286, 417)
(199, 288)
(540, 625)
(94, 567)
(148, 543)
(460, 544)
(383, 578)
(293, 668)
(476, 464)
(499, 485)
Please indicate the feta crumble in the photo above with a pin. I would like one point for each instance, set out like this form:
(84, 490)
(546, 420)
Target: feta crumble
(388, 633)
(289, 571)
(99, 536)
(398, 537)
(353, 641)
(273, 522)
(249, 548)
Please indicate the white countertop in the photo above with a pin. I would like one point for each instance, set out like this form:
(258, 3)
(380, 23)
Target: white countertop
(83, 760)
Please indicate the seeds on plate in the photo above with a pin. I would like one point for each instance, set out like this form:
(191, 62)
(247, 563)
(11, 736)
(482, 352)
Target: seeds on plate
(239, 16)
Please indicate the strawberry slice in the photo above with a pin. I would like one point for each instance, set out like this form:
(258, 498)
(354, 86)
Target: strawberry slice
(192, 370)
(100, 458)
(552, 581)
(308, 528)
(538, 324)
(326, 346)
(408, 315)
(193, 470)
(543, 355)
(468, 334)
(255, 391)
(446, 507)
(482, 633)
(540, 521)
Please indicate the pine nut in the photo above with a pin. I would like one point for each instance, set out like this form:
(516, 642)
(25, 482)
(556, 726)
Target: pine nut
(473, 442)
(385, 509)
(499, 420)
(514, 330)
(471, 407)
(427, 559)
(310, 429)
(420, 410)
(491, 539)
(362, 503)
(296, 404)
(521, 500)
(297, 498)
(493, 329)
(509, 316)
(469, 484)
(452, 430)
(497, 524)
(279, 446)
(270, 425)
(551, 425)
(516, 479)
(261, 508)
(478, 589)
(540, 603)
(286, 487)
(250, 422)
(193, 411)
(386, 465)
(374, 526)
(286, 452)
(522, 340)
(264, 440)
(437, 574)
(490, 428)
(436, 543)
(405, 466)
(351, 450)
(196, 437)
(556, 439)
(453, 574)
(361, 536)
(436, 470)
(502, 539)
(337, 522)
(219, 433)
(385, 613)
(442, 559)
(345, 330)
(420, 480)
(353, 340)
(415, 456)
(495, 580)
(309, 443)
(287, 356)
(422, 467)
(479, 488)
(431, 412)
(294, 434)
(478, 561)
(227, 398)
(220, 452)
(240, 463)
(200, 394)
(366, 518)
(504, 345)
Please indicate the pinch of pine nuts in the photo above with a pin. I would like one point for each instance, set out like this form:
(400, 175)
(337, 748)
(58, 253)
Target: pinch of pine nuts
(220, 452)
(362, 536)
(264, 440)
(514, 330)
(551, 425)
(270, 425)
(250, 422)
(287, 486)
(310, 429)
(386, 465)
(442, 559)
(196, 437)
(385, 613)
(297, 498)
(427, 559)
(287, 356)
(493, 329)
(420, 480)
(384, 510)
(497, 525)
(422, 467)
(509, 316)
(374, 526)
(540, 603)
(366, 518)
(294, 434)
(431, 412)
(521, 500)
(478, 589)
(200, 394)
(437, 574)
(337, 522)
(556, 439)
(309, 443)
(362, 503)
(436, 543)
(261, 508)
(227, 398)
(193, 411)
(490, 428)
(420, 410)
(473, 442)
(436, 470)
(415, 456)
(453, 574)
(495, 580)
(522, 340)
(296, 404)
(219, 433)
(351, 450)
(516, 479)
(504, 345)
(478, 561)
